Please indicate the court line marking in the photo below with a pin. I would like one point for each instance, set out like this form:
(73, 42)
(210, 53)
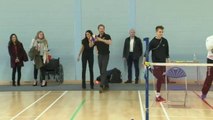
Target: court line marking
(78, 109)
(29, 106)
(141, 106)
(53, 103)
(164, 110)
(206, 102)
(161, 104)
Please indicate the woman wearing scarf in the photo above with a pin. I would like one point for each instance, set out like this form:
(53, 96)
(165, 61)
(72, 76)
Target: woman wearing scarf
(41, 46)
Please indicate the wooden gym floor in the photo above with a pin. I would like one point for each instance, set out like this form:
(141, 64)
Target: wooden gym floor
(90, 105)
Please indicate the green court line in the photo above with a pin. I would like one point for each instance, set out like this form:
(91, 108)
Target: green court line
(78, 109)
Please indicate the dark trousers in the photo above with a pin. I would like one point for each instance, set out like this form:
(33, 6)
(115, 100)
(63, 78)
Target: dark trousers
(35, 73)
(42, 71)
(158, 73)
(90, 59)
(103, 62)
(131, 60)
(209, 77)
(17, 68)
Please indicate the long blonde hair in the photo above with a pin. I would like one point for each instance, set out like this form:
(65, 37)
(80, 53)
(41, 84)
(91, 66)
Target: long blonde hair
(37, 37)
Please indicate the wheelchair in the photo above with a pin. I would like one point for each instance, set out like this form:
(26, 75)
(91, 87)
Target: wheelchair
(54, 69)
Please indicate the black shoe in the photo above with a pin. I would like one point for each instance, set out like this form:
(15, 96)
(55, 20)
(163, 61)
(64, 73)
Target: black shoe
(13, 83)
(128, 81)
(92, 85)
(136, 81)
(101, 89)
(83, 86)
(106, 86)
(18, 83)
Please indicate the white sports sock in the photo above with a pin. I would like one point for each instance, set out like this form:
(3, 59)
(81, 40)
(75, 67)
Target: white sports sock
(157, 94)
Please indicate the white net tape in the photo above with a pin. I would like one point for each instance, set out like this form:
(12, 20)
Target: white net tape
(180, 64)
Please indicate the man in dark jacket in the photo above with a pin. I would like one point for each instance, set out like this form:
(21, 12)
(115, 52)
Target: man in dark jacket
(132, 52)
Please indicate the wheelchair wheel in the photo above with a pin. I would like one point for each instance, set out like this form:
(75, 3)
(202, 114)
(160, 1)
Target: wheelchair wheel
(61, 74)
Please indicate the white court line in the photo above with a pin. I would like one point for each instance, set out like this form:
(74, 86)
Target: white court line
(141, 106)
(30, 106)
(161, 104)
(164, 110)
(51, 105)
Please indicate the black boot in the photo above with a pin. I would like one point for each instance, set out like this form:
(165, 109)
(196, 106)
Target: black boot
(91, 84)
(106, 86)
(83, 86)
(18, 83)
(101, 89)
(14, 83)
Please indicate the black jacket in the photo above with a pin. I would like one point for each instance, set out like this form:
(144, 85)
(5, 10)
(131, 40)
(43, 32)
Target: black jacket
(17, 52)
(160, 50)
(137, 48)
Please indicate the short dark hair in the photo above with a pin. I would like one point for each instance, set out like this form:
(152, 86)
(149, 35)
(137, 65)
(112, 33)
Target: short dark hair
(159, 27)
(101, 25)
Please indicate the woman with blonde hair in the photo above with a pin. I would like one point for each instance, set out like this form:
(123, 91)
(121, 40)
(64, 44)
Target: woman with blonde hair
(41, 46)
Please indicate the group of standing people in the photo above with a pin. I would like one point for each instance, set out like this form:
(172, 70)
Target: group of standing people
(132, 51)
(38, 54)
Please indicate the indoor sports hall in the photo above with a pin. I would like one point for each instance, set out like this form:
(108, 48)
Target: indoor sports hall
(106, 60)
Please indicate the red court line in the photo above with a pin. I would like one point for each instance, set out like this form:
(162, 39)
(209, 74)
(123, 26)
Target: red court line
(204, 100)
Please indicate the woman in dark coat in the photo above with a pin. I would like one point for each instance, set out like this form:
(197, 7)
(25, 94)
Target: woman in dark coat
(17, 56)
